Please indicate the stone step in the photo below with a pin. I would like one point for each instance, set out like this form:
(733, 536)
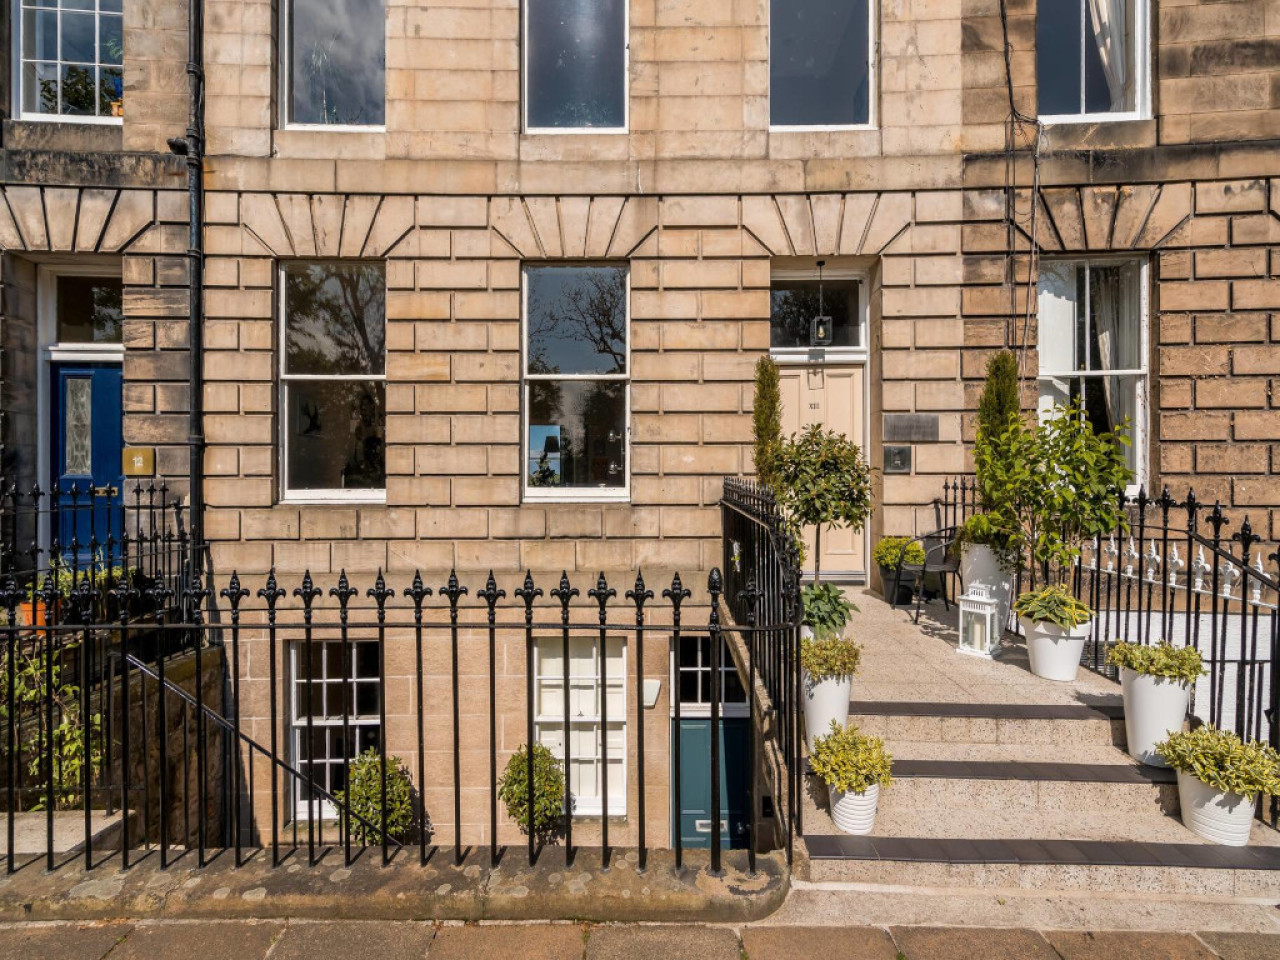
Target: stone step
(1101, 724)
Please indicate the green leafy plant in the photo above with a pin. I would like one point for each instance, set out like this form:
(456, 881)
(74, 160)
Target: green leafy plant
(1052, 604)
(1219, 759)
(548, 791)
(826, 610)
(822, 480)
(1183, 664)
(1051, 487)
(364, 798)
(892, 551)
(766, 419)
(984, 529)
(851, 762)
(999, 403)
(827, 657)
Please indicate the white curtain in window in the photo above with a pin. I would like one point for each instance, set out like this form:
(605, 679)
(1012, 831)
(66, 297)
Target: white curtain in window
(1110, 24)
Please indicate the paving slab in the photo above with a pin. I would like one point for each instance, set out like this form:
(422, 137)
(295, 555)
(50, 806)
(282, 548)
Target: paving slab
(60, 941)
(1243, 946)
(207, 940)
(949, 943)
(355, 940)
(626, 942)
(1125, 946)
(509, 942)
(818, 943)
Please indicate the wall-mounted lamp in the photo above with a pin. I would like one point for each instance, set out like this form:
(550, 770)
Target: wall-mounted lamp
(820, 325)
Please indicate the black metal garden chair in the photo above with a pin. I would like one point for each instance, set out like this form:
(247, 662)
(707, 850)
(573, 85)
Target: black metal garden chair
(941, 558)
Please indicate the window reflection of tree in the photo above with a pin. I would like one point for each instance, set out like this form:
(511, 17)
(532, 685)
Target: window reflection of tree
(794, 305)
(336, 319)
(593, 312)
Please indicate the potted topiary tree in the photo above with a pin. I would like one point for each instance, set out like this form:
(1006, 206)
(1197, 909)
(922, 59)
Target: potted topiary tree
(1219, 779)
(829, 662)
(895, 557)
(547, 818)
(363, 798)
(1156, 683)
(854, 767)
(1055, 625)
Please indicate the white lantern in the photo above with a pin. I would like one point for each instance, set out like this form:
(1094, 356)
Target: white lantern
(980, 628)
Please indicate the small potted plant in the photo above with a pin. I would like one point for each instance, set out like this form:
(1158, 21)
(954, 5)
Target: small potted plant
(1156, 683)
(986, 559)
(1219, 779)
(854, 767)
(829, 662)
(364, 798)
(894, 555)
(1056, 625)
(548, 792)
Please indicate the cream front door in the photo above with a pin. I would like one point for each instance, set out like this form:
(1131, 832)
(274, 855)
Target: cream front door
(830, 395)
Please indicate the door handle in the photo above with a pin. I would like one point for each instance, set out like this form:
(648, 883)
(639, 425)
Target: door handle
(105, 491)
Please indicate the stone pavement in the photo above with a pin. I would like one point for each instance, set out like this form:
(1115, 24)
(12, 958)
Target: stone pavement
(391, 940)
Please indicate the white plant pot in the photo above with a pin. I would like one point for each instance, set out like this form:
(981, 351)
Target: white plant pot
(1153, 708)
(1054, 652)
(855, 812)
(978, 564)
(1224, 818)
(824, 701)
(806, 632)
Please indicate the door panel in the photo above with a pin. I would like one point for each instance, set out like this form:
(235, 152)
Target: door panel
(833, 397)
(87, 442)
(695, 782)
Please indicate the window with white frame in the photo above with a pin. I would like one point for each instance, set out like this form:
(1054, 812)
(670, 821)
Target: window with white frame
(821, 65)
(340, 685)
(693, 672)
(575, 62)
(576, 367)
(1091, 58)
(336, 57)
(71, 56)
(796, 297)
(588, 673)
(1093, 346)
(333, 379)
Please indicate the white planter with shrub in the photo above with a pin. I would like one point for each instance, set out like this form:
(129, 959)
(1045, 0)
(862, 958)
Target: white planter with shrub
(1156, 682)
(1219, 779)
(854, 767)
(1055, 625)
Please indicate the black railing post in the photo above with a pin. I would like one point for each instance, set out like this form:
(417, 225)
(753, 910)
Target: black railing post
(418, 592)
(677, 594)
(453, 591)
(491, 594)
(750, 597)
(195, 595)
(307, 593)
(602, 593)
(234, 593)
(10, 597)
(343, 593)
(529, 593)
(565, 593)
(380, 593)
(638, 595)
(271, 593)
(714, 586)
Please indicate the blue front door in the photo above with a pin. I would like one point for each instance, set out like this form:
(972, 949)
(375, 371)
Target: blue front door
(87, 443)
(695, 782)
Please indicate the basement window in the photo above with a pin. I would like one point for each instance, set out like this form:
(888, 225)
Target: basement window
(333, 380)
(1091, 60)
(71, 55)
(821, 66)
(336, 52)
(575, 66)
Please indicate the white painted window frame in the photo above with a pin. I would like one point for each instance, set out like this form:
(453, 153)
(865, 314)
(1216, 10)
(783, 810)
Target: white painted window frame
(525, 95)
(530, 494)
(16, 18)
(302, 808)
(1141, 432)
(873, 82)
(286, 91)
(696, 709)
(587, 806)
(373, 495)
(807, 356)
(1141, 68)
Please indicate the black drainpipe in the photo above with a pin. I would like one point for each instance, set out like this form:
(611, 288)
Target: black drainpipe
(192, 147)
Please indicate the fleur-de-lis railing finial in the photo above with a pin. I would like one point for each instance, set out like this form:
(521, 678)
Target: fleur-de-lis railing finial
(1199, 570)
(453, 590)
(195, 595)
(564, 593)
(271, 593)
(528, 592)
(344, 591)
(233, 593)
(1176, 563)
(639, 594)
(750, 597)
(307, 593)
(380, 593)
(10, 596)
(491, 594)
(602, 593)
(677, 593)
(417, 592)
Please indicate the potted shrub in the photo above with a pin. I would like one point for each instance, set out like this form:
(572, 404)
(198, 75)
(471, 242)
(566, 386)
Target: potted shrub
(854, 767)
(1219, 779)
(987, 560)
(891, 554)
(1056, 625)
(1156, 682)
(548, 792)
(364, 798)
(829, 663)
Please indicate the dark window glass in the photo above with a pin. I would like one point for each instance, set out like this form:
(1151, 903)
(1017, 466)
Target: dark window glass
(335, 318)
(819, 66)
(1058, 57)
(576, 61)
(90, 310)
(577, 320)
(1085, 65)
(336, 438)
(337, 71)
(794, 303)
(577, 433)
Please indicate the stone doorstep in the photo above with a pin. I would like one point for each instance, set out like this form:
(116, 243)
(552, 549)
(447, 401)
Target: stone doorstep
(405, 889)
